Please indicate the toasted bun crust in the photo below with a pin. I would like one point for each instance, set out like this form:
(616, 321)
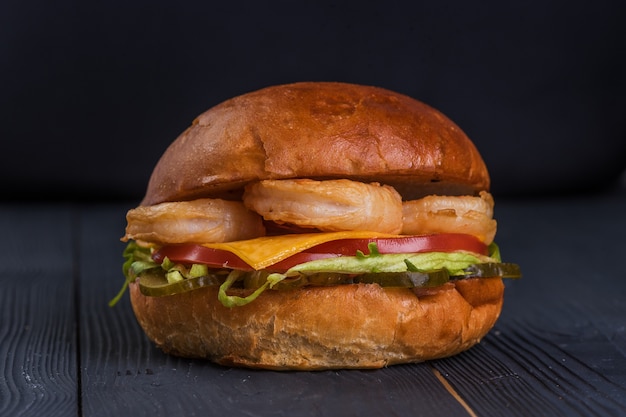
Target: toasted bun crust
(319, 130)
(345, 326)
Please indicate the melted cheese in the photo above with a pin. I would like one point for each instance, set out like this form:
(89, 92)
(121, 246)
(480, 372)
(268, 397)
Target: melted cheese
(264, 251)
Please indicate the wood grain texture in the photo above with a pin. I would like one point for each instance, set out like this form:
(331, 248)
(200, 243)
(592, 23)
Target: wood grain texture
(37, 312)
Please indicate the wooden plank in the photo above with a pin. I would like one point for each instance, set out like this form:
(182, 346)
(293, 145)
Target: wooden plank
(37, 329)
(525, 375)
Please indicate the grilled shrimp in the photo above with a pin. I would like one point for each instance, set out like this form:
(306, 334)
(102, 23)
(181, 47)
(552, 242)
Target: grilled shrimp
(332, 205)
(197, 221)
(447, 214)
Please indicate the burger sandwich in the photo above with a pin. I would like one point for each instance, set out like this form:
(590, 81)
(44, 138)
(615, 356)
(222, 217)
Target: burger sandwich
(316, 225)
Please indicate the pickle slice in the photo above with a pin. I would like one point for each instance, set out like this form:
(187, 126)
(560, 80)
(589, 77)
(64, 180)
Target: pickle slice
(407, 279)
(487, 270)
(154, 284)
(255, 279)
(325, 279)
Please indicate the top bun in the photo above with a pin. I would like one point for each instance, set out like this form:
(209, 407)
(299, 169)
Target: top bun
(319, 130)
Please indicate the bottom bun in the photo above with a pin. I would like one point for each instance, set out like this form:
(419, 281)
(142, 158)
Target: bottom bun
(314, 328)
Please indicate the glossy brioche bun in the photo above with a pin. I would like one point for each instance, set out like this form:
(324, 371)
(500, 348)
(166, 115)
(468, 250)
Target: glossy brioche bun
(319, 130)
(314, 328)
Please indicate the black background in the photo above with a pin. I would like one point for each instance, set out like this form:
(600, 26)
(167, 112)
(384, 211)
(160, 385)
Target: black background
(93, 92)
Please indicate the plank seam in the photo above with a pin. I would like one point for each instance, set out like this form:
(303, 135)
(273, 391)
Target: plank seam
(452, 391)
(76, 254)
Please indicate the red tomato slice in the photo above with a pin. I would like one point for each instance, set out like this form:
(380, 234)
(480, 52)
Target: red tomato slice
(440, 242)
(218, 258)
(299, 258)
(196, 254)
(192, 253)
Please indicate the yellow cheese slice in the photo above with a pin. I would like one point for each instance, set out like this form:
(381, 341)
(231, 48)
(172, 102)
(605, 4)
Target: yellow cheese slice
(264, 251)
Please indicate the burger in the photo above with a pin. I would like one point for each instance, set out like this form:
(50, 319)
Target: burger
(316, 225)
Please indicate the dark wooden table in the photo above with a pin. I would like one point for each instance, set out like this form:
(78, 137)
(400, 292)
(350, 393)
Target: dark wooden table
(559, 348)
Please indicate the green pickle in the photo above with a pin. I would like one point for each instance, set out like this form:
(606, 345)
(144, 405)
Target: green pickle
(406, 279)
(504, 270)
(253, 280)
(154, 282)
(327, 278)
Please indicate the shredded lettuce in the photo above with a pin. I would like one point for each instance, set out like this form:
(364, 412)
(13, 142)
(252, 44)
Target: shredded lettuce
(139, 259)
(494, 252)
(236, 301)
(373, 248)
(454, 262)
